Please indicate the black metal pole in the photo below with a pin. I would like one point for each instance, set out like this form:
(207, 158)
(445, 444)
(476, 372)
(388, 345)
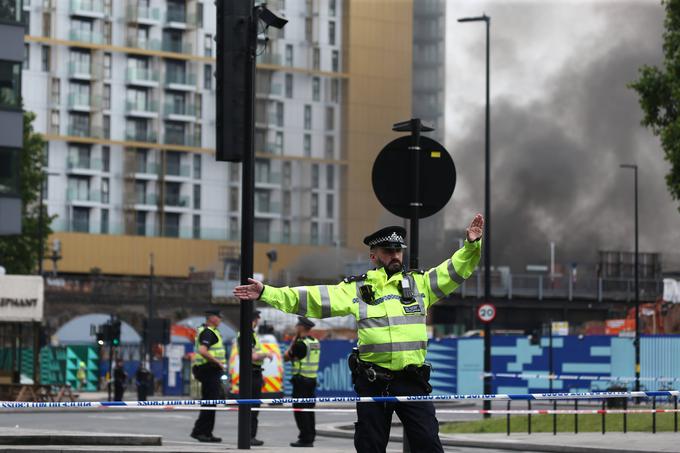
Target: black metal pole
(487, 227)
(149, 313)
(637, 289)
(415, 193)
(247, 238)
(110, 383)
(41, 225)
(550, 358)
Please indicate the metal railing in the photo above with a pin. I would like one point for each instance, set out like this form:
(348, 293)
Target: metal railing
(145, 75)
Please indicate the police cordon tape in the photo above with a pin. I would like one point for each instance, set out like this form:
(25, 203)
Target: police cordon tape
(340, 400)
(448, 411)
(579, 377)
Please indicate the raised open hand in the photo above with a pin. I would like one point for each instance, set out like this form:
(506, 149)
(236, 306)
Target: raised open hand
(249, 292)
(476, 228)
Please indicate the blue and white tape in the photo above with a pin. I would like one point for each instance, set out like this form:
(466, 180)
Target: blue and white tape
(337, 400)
(580, 377)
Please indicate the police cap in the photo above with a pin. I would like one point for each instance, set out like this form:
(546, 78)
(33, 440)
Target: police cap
(302, 321)
(256, 314)
(391, 237)
(213, 313)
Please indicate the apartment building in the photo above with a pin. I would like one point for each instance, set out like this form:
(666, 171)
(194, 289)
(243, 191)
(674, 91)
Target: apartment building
(11, 118)
(125, 94)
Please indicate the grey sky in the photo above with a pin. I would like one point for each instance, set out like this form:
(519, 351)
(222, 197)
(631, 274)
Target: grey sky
(562, 121)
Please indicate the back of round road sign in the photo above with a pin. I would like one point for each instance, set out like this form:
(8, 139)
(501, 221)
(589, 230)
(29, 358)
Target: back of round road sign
(392, 177)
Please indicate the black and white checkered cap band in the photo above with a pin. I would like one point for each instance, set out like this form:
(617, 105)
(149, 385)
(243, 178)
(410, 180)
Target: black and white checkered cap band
(394, 237)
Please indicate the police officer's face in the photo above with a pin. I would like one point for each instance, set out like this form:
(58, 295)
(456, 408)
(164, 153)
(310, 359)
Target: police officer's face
(391, 259)
(213, 320)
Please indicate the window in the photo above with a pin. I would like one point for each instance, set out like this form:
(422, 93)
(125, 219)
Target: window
(78, 156)
(262, 201)
(54, 121)
(286, 232)
(330, 176)
(233, 199)
(173, 160)
(289, 85)
(140, 160)
(289, 55)
(332, 8)
(140, 221)
(173, 194)
(106, 158)
(45, 58)
(315, 176)
(233, 228)
(330, 118)
(308, 116)
(198, 105)
(261, 232)
(79, 125)
(27, 56)
(207, 77)
(315, 205)
(335, 61)
(10, 11)
(287, 203)
(278, 142)
(262, 170)
(279, 114)
(106, 126)
(136, 100)
(316, 89)
(286, 171)
(140, 192)
(331, 33)
(107, 65)
(108, 27)
(81, 220)
(172, 41)
(197, 196)
(308, 29)
(307, 145)
(107, 97)
(329, 150)
(314, 233)
(329, 205)
(197, 166)
(174, 133)
(9, 171)
(105, 190)
(104, 228)
(335, 90)
(197, 226)
(10, 84)
(234, 172)
(316, 59)
(208, 45)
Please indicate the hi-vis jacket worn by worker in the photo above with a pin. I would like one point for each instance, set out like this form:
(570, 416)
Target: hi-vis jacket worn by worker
(392, 331)
(309, 365)
(216, 350)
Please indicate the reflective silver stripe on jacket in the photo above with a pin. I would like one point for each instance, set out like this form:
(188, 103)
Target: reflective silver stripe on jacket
(416, 292)
(302, 305)
(393, 347)
(453, 275)
(325, 302)
(386, 321)
(439, 294)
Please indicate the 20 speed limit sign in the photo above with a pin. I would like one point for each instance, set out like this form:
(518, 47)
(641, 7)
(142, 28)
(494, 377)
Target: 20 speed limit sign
(486, 312)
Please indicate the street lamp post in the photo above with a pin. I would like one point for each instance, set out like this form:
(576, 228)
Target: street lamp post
(637, 280)
(487, 215)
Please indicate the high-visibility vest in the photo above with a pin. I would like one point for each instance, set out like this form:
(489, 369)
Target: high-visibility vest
(392, 330)
(216, 350)
(308, 366)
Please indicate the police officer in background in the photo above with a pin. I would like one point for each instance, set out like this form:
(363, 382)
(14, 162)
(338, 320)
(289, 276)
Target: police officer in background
(208, 368)
(390, 306)
(257, 380)
(304, 353)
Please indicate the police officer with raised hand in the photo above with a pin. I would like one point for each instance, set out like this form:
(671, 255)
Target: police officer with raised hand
(390, 306)
(208, 368)
(304, 354)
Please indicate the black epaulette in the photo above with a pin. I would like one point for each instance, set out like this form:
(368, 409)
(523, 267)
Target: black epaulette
(354, 278)
(416, 271)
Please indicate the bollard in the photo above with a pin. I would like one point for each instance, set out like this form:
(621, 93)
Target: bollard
(576, 417)
(529, 417)
(654, 415)
(604, 414)
(507, 420)
(625, 416)
(554, 418)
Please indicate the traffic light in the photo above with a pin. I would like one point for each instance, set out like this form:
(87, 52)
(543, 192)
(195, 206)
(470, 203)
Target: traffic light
(115, 333)
(233, 79)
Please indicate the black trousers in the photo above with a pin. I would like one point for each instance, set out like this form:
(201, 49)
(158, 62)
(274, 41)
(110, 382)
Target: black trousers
(257, 394)
(304, 387)
(374, 420)
(118, 390)
(211, 388)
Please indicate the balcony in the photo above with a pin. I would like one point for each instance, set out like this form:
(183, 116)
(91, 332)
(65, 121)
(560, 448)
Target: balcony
(176, 47)
(143, 15)
(146, 199)
(180, 81)
(177, 111)
(180, 171)
(141, 136)
(141, 43)
(80, 131)
(177, 201)
(87, 8)
(147, 109)
(183, 139)
(88, 36)
(82, 102)
(77, 165)
(75, 196)
(147, 169)
(142, 76)
(271, 148)
(179, 19)
(81, 70)
(266, 209)
(262, 178)
(270, 58)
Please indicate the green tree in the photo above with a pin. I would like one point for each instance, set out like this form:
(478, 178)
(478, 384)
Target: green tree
(19, 254)
(659, 91)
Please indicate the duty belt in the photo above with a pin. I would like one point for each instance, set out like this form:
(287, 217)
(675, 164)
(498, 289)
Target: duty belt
(373, 372)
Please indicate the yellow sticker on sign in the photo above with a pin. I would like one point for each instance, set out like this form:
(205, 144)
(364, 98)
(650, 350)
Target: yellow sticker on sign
(435, 154)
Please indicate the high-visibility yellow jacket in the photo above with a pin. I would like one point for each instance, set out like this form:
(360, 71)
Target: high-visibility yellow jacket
(392, 331)
(216, 350)
(308, 366)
